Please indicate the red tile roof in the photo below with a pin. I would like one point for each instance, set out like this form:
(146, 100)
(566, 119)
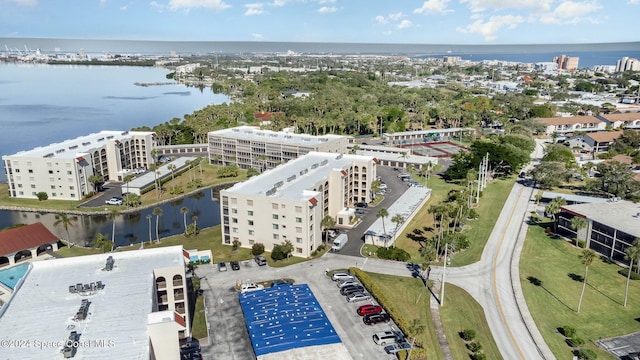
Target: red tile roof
(25, 237)
(313, 201)
(179, 319)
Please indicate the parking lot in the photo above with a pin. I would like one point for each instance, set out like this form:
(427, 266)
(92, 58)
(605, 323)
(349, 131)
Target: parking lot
(228, 333)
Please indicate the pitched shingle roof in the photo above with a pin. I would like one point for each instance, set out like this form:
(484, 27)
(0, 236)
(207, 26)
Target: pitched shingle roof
(25, 237)
(570, 120)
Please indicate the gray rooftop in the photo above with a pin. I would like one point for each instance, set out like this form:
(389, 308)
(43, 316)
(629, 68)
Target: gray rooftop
(149, 178)
(293, 179)
(573, 198)
(409, 159)
(431, 131)
(69, 149)
(406, 205)
(621, 215)
(254, 133)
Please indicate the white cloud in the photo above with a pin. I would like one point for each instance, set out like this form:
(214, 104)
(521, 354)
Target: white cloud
(257, 36)
(433, 7)
(327, 1)
(157, 6)
(482, 5)
(490, 28)
(123, 8)
(31, 3)
(215, 5)
(405, 24)
(633, 2)
(254, 9)
(381, 20)
(327, 9)
(571, 12)
(396, 16)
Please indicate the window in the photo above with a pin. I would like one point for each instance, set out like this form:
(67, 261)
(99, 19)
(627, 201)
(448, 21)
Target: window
(53, 194)
(274, 216)
(276, 237)
(21, 192)
(298, 209)
(299, 250)
(251, 232)
(235, 230)
(30, 171)
(50, 171)
(275, 226)
(69, 172)
(251, 242)
(73, 195)
(33, 186)
(234, 220)
(299, 240)
(250, 222)
(298, 219)
(274, 206)
(299, 230)
(19, 185)
(71, 188)
(250, 212)
(249, 202)
(234, 200)
(234, 211)
(17, 170)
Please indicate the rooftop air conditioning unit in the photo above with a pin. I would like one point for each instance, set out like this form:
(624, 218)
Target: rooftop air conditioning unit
(110, 263)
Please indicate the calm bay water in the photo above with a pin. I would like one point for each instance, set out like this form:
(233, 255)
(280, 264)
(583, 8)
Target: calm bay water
(43, 104)
(131, 228)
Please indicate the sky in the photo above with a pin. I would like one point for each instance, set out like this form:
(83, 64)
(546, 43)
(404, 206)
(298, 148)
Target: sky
(350, 21)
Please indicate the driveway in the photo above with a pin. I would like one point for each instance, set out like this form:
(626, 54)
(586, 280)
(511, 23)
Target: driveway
(110, 190)
(228, 335)
(395, 189)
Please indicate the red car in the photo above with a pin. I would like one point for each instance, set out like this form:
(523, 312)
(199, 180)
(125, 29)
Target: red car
(369, 309)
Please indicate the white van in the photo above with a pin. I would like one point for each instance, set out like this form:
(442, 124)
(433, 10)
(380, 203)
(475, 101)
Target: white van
(339, 242)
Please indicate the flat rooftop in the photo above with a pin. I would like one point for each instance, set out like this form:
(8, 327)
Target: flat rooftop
(573, 198)
(69, 149)
(405, 205)
(409, 159)
(622, 215)
(286, 317)
(427, 132)
(293, 179)
(163, 171)
(41, 310)
(254, 133)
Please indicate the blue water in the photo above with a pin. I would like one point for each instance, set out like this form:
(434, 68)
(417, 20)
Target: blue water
(43, 104)
(10, 277)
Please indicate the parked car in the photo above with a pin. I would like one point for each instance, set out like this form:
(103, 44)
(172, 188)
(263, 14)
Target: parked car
(280, 282)
(222, 266)
(235, 265)
(369, 309)
(340, 284)
(260, 260)
(351, 289)
(362, 205)
(371, 319)
(250, 287)
(395, 348)
(386, 337)
(114, 201)
(360, 211)
(341, 276)
(356, 297)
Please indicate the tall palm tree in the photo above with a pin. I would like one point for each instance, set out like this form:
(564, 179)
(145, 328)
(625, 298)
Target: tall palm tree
(194, 218)
(632, 253)
(101, 242)
(149, 216)
(578, 223)
(398, 219)
(127, 179)
(554, 208)
(327, 223)
(113, 215)
(587, 256)
(184, 210)
(66, 221)
(383, 213)
(157, 212)
(171, 167)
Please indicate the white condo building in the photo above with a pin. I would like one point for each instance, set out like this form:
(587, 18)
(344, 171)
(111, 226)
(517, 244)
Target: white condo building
(251, 147)
(290, 201)
(62, 170)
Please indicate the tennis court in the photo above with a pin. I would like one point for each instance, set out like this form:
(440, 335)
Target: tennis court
(435, 149)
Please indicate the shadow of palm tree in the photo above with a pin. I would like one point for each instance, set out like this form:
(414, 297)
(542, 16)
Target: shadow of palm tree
(603, 294)
(537, 282)
(576, 277)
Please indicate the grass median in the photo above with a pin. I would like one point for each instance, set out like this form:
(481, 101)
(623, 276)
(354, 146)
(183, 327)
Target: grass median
(551, 273)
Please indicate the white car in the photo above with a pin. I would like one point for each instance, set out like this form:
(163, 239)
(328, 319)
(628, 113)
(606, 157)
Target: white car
(348, 282)
(250, 287)
(114, 201)
(355, 297)
(341, 276)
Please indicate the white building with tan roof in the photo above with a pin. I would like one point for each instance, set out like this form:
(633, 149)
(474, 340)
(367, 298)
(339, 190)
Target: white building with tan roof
(562, 125)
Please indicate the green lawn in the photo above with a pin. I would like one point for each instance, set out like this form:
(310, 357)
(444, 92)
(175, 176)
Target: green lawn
(199, 326)
(553, 302)
(462, 312)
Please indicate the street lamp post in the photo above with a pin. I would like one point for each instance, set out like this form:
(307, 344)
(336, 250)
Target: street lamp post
(444, 271)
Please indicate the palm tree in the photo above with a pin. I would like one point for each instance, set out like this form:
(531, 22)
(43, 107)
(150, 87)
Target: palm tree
(194, 218)
(554, 208)
(587, 256)
(632, 253)
(157, 212)
(113, 214)
(66, 221)
(383, 213)
(172, 168)
(184, 210)
(327, 223)
(415, 328)
(127, 179)
(578, 223)
(149, 216)
(398, 219)
(101, 242)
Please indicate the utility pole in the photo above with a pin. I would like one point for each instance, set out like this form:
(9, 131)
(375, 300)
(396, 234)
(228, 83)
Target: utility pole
(444, 271)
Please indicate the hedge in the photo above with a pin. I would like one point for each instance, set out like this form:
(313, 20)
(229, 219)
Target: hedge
(625, 273)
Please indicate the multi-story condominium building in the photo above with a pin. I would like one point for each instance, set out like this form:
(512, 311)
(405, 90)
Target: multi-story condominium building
(627, 64)
(596, 142)
(561, 125)
(62, 170)
(250, 147)
(290, 201)
(569, 63)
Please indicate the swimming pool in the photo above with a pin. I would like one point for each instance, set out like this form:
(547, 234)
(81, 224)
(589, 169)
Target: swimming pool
(10, 277)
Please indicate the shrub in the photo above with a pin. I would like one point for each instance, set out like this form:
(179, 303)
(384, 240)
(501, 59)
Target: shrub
(625, 273)
(582, 244)
(278, 253)
(42, 196)
(468, 334)
(478, 356)
(568, 331)
(257, 249)
(585, 354)
(474, 347)
(576, 342)
(236, 245)
(393, 253)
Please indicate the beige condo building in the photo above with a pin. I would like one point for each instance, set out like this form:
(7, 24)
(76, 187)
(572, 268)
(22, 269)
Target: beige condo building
(290, 201)
(62, 170)
(251, 147)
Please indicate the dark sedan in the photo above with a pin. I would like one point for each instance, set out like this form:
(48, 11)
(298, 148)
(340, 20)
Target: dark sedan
(371, 319)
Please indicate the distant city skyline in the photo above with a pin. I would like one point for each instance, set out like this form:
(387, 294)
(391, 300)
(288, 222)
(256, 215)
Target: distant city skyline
(358, 21)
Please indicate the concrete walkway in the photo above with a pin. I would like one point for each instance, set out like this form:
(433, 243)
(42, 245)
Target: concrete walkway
(434, 304)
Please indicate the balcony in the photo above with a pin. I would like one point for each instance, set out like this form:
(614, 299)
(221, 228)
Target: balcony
(177, 283)
(178, 295)
(161, 285)
(163, 299)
